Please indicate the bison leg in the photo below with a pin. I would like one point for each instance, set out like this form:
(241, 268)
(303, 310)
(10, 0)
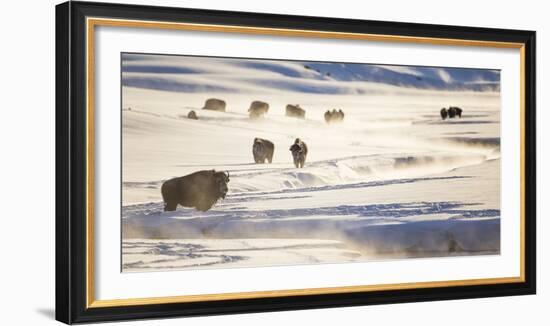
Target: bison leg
(270, 158)
(170, 206)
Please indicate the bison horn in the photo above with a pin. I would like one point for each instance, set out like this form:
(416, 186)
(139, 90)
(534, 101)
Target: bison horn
(227, 174)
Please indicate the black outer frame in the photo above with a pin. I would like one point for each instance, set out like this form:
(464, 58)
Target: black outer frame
(71, 162)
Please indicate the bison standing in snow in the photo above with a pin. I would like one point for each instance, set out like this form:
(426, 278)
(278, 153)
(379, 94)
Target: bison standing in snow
(262, 149)
(201, 190)
(334, 116)
(295, 111)
(451, 112)
(257, 109)
(192, 115)
(443, 113)
(214, 104)
(454, 111)
(299, 153)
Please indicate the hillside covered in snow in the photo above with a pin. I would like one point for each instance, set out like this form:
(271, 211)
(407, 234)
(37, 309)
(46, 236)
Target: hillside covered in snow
(191, 74)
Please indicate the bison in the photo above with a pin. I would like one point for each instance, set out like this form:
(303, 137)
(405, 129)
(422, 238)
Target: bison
(455, 111)
(201, 190)
(262, 149)
(192, 115)
(299, 153)
(334, 116)
(214, 104)
(327, 116)
(295, 111)
(451, 112)
(443, 113)
(340, 115)
(258, 109)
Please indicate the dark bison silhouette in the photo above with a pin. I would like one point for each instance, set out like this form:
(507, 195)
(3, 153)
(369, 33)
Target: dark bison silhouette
(258, 109)
(454, 111)
(451, 112)
(262, 149)
(299, 153)
(201, 190)
(192, 115)
(334, 116)
(214, 104)
(443, 113)
(295, 111)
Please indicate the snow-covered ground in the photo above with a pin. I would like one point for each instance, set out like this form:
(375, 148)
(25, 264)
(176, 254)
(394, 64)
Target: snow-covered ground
(392, 181)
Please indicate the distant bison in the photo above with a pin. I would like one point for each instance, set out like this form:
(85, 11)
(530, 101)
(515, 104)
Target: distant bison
(214, 104)
(201, 190)
(258, 109)
(443, 113)
(299, 153)
(451, 112)
(454, 111)
(334, 116)
(295, 111)
(262, 149)
(192, 115)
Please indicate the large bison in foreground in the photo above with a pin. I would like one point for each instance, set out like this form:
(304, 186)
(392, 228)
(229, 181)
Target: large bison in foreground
(257, 109)
(299, 153)
(201, 190)
(295, 111)
(214, 104)
(262, 149)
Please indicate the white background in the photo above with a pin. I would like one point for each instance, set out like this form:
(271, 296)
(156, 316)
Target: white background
(111, 284)
(27, 147)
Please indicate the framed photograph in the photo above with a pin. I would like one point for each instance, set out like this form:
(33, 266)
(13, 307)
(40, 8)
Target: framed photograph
(212, 162)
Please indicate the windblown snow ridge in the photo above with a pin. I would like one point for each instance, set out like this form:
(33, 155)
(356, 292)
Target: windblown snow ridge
(183, 73)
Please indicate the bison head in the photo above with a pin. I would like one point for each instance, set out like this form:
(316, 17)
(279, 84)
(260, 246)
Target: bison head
(221, 179)
(296, 149)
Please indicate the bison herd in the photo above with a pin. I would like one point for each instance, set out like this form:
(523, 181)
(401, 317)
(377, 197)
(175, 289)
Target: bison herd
(258, 109)
(334, 116)
(451, 112)
(202, 189)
